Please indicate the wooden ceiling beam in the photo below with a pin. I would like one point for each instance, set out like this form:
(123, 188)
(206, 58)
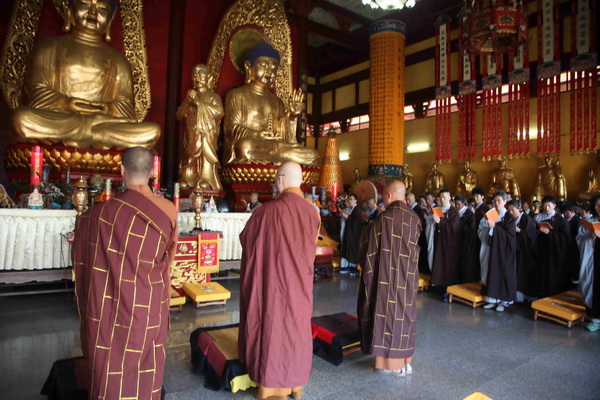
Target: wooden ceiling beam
(357, 43)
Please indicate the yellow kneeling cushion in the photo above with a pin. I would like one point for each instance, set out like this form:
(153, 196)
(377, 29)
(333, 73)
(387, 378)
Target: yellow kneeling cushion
(208, 291)
(561, 306)
(468, 291)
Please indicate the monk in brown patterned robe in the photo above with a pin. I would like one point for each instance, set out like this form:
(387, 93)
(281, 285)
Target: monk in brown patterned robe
(276, 289)
(121, 255)
(389, 256)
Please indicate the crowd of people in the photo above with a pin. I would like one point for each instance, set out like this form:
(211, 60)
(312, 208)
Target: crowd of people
(519, 252)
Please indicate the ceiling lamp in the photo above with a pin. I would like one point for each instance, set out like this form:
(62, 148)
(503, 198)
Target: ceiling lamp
(492, 27)
(389, 4)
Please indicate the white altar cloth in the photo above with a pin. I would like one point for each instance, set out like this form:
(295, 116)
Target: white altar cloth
(31, 239)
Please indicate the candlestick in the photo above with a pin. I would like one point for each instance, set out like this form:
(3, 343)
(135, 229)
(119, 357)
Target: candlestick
(108, 189)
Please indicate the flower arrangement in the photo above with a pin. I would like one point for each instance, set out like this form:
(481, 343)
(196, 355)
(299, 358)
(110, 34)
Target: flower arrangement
(341, 201)
(52, 190)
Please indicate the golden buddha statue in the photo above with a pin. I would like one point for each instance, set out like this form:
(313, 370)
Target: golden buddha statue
(550, 180)
(408, 179)
(202, 110)
(593, 177)
(435, 180)
(503, 178)
(259, 127)
(80, 90)
(466, 180)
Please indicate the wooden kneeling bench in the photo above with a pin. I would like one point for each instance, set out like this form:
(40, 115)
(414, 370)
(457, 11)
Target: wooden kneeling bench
(468, 293)
(207, 293)
(565, 308)
(424, 282)
(177, 300)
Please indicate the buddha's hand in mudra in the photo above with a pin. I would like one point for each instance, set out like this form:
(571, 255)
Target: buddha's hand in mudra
(296, 102)
(269, 135)
(82, 106)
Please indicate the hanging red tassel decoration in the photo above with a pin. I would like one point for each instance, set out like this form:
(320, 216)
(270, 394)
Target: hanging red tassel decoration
(518, 104)
(466, 99)
(584, 77)
(443, 94)
(492, 109)
(548, 78)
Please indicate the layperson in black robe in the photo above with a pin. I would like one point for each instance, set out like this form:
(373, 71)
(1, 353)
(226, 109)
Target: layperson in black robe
(552, 267)
(446, 240)
(526, 252)
(352, 231)
(468, 257)
(387, 307)
(574, 221)
(498, 256)
(423, 263)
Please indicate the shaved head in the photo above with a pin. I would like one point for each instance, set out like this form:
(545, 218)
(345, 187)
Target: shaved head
(394, 191)
(137, 162)
(289, 174)
(410, 199)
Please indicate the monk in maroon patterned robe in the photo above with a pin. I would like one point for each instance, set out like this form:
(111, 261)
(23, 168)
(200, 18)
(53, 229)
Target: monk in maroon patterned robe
(276, 289)
(389, 256)
(121, 255)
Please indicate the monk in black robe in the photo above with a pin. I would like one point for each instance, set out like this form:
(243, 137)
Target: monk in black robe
(121, 256)
(468, 257)
(498, 256)
(526, 252)
(552, 266)
(574, 222)
(388, 286)
(423, 263)
(446, 241)
(276, 289)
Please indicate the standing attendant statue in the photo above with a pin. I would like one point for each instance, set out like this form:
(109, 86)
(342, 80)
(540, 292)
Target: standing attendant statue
(503, 178)
(550, 180)
(80, 90)
(593, 178)
(467, 180)
(202, 110)
(435, 180)
(408, 179)
(259, 127)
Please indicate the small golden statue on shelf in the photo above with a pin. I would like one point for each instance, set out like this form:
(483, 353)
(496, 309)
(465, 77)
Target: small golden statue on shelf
(80, 91)
(466, 180)
(435, 180)
(503, 178)
(259, 127)
(202, 110)
(550, 180)
(593, 177)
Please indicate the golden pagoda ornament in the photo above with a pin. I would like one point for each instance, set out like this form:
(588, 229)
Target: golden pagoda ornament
(331, 170)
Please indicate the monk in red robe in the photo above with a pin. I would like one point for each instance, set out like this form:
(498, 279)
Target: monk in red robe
(276, 289)
(389, 256)
(121, 255)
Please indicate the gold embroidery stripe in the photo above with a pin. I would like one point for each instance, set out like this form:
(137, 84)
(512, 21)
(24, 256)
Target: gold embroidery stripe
(122, 326)
(100, 269)
(93, 319)
(103, 347)
(136, 235)
(142, 305)
(127, 280)
(106, 222)
(134, 351)
(147, 262)
(115, 251)
(147, 370)
(115, 373)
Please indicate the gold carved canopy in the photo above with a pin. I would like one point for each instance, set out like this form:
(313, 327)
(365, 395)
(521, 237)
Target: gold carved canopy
(267, 18)
(19, 42)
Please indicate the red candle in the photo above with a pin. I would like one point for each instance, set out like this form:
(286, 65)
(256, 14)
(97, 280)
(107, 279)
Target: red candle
(334, 192)
(37, 162)
(176, 196)
(156, 173)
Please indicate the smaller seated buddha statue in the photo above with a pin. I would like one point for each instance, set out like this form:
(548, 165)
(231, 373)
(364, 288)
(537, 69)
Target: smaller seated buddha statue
(593, 180)
(259, 127)
(35, 199)
(503, 178)
(80, 90)
(466, 181)
(435, 180)
(550, 180)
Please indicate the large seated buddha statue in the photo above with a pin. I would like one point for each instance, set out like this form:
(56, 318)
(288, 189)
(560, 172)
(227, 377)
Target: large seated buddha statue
(259, 127)
(79, 90)
(550, 180)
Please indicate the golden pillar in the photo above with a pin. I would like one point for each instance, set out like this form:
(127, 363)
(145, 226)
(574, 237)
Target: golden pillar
(331, 169)
(386, 110)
